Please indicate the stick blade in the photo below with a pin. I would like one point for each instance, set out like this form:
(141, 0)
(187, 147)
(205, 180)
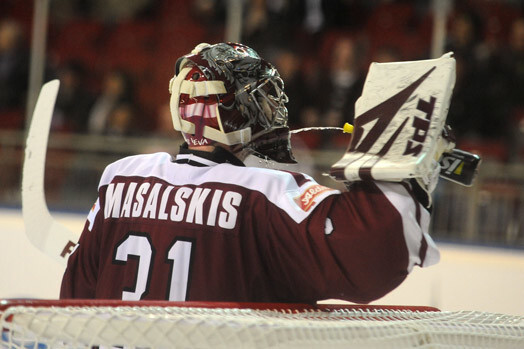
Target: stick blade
(42, 230)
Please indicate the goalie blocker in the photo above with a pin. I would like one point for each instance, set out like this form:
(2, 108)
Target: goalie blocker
(399, 130)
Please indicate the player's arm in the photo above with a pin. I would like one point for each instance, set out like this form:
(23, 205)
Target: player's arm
(80, 276)
(378, 232)
(379, 228)
(356, 245)
(381, 224)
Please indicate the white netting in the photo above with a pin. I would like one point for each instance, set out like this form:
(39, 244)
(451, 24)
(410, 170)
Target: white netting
(197, 327)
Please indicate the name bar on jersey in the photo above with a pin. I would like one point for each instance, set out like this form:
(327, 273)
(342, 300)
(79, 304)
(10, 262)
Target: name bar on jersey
(177, 204)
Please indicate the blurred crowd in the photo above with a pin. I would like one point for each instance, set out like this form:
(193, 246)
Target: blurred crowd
(115, 58)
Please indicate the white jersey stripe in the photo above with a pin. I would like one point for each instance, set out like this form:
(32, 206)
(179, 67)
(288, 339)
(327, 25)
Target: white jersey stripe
(397, 194)
(269, 182)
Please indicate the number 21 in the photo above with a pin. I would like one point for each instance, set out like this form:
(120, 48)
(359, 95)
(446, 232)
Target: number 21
(138, 246)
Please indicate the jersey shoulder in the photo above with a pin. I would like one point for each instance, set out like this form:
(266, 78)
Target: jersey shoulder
(136, 165)
(294, 192)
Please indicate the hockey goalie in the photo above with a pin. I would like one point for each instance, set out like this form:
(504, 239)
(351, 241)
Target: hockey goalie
(201, 226)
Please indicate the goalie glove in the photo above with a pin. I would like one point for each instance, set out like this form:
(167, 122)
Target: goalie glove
(424, 186)
(399, 128)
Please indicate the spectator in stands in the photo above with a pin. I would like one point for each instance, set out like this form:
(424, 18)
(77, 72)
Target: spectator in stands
(117, 89)
(509, 67)
(164, 122)
(162, 136)
(74, 99)
(269, 23)
(334, 92)
(514, 61)
(118, 10)
(387, 53)
(342, 86)
(469, 114)
(465, 37)
(14, 66)
(122, 120)
(109, 11)
(288, 63)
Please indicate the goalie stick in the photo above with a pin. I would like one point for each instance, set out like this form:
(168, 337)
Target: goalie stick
(44, 232)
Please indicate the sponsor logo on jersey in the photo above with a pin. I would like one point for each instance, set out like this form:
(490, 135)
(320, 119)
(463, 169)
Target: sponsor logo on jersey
(307, 199)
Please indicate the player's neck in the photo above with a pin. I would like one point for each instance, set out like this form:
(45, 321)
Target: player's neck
(210, 148)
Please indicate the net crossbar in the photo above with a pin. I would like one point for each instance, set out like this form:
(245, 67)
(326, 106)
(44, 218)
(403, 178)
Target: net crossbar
(74, 324)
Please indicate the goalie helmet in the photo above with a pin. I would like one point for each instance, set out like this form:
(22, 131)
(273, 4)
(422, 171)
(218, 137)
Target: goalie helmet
(227, 93)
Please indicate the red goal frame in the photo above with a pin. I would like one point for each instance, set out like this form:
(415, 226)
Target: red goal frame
(297, 307)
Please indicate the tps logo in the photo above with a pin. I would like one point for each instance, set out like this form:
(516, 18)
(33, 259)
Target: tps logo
(421, 125)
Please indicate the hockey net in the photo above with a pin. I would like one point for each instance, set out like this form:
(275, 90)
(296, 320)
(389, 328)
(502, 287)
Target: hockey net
(85, 324)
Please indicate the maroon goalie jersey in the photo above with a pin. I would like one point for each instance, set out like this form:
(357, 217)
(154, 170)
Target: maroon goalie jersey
(203, 227)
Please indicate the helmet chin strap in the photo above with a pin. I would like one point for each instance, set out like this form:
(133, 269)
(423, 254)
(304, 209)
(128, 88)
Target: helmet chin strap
(179, 85)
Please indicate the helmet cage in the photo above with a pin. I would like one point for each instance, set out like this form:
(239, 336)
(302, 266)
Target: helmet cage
(269, 98)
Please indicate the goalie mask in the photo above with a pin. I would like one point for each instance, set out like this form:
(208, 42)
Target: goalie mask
(227, 93)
